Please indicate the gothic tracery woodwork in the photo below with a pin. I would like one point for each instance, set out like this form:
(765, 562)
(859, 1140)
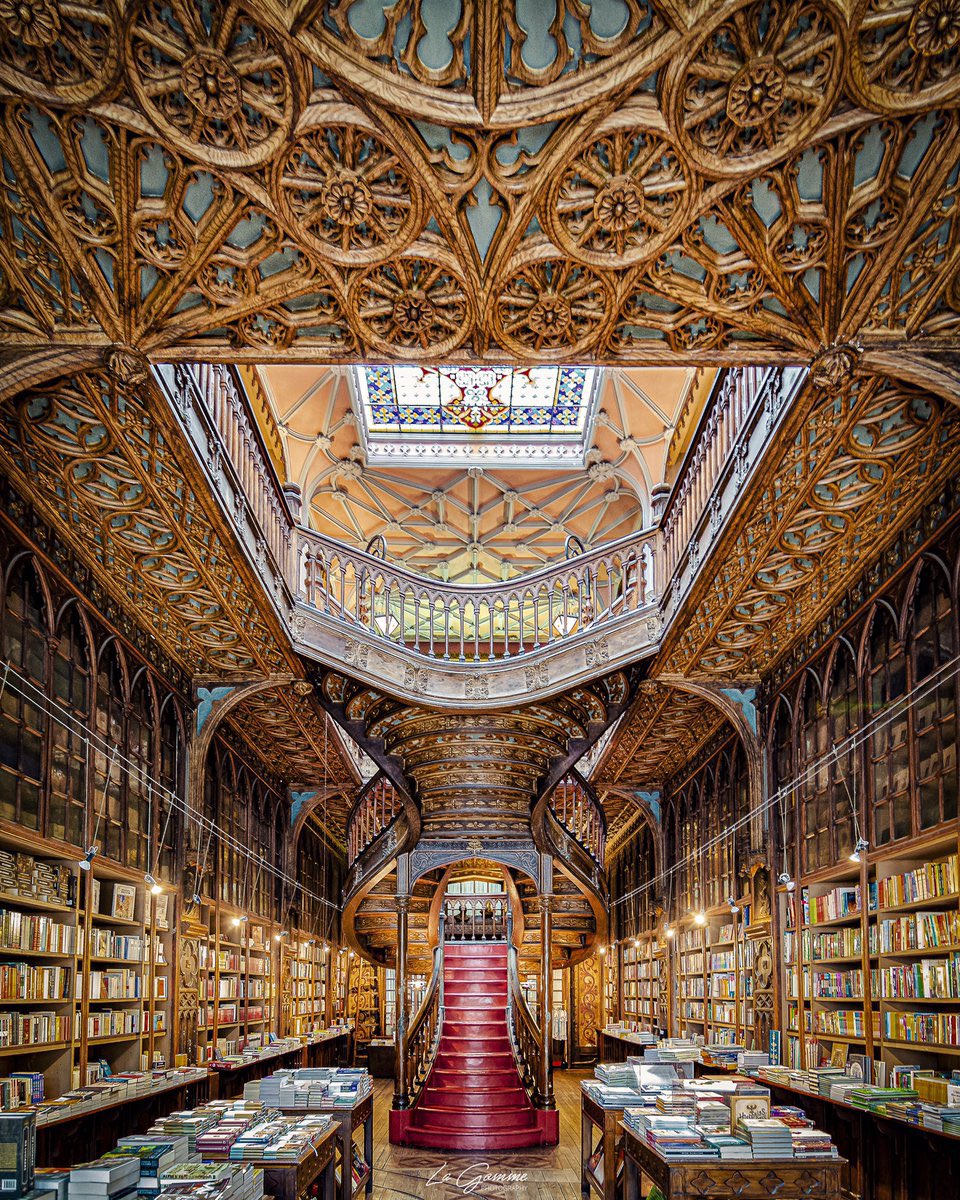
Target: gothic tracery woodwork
(508, 183)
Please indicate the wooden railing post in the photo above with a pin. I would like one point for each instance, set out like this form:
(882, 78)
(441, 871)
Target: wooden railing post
(546, 997)
(401, 1095)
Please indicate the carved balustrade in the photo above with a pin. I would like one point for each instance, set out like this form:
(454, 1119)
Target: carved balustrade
(573, 804)
(417, 1046)
(525, 1037)
(731, 437)
(477, 622)
(240, 443)
(469, 918)
(376, 809)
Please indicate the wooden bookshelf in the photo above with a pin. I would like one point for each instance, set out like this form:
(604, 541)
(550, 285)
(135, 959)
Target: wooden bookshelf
(240, 996)
(84, 967)
(305, 985)
(872, 958)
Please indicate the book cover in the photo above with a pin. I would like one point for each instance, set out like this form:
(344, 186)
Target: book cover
(124, 901)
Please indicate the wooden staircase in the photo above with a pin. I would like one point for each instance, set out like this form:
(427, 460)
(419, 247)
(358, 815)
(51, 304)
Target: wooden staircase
(473, 1098)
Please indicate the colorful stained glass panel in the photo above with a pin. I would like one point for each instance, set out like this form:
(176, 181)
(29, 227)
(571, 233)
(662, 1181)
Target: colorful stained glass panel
(476, 401)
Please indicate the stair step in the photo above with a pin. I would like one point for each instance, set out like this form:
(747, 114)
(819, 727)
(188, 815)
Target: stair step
(483, 1077)
(435, 1137)
(509, 1100)
(469, 1061)
(475, 1121)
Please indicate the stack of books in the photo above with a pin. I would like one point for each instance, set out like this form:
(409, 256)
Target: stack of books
(677, 1102)
(104, 1179)
(713, 1116)
(876, 1099)
(812, 1143)
(190, 1124)
(728, 1146)
(768, 1137)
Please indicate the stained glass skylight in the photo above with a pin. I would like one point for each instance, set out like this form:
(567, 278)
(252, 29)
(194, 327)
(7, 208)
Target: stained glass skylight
(462, 411)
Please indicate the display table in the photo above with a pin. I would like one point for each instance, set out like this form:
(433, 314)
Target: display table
(382, 1060)
(70, 1137)
(331, 1049)
(291, 1181)
(229, 1080)
(887, 1158)
(597, 1122)
(713, 1179)
(346, 1123)
(618, 1047)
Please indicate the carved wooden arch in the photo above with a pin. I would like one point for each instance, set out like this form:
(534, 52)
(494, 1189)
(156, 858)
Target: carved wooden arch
(201, 739)
(513, 896)
(648, 816)
(39, 367)
(10, 568)
(736, 715)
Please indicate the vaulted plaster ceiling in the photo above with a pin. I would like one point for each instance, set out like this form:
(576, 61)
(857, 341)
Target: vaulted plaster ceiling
(473, 523)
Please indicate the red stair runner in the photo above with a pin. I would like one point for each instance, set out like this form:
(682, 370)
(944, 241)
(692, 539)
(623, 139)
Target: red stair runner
(473, 1098)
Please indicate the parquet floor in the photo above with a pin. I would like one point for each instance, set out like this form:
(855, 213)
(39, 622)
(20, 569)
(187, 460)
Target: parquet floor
(401, 1173)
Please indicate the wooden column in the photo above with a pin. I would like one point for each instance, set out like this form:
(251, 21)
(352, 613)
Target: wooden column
(546, 1000)
(401, 1098)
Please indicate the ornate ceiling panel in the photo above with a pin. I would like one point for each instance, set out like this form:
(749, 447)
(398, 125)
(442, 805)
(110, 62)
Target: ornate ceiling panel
(476, 771)
(501, 181)
(473, 524)
(863, 458)
(100, 459)
(661, 730)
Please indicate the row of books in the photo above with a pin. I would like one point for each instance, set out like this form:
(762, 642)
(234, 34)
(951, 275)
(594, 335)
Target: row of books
(121, 984)
(925, 1027)
(37, 933)
(111, 1022)
(33, 1028)
(925, 979)
(22, 981)
(929, 881)
(25, 876)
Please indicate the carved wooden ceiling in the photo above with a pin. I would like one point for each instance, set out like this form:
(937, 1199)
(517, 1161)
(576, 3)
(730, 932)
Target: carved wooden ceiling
(486, 769)
(620, 182)
(473, 524)
(629, 183)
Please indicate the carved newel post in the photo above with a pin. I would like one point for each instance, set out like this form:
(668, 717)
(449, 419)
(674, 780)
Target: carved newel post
(545, 1083)
(401, 1097)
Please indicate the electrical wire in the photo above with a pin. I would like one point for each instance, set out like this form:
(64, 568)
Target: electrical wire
(932, 683)
(97, 744)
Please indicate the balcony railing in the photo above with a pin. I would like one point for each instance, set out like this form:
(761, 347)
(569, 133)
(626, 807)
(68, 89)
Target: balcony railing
(578, 811)
(376, 809)
(475, 918)
(239, 442)
(477, 622)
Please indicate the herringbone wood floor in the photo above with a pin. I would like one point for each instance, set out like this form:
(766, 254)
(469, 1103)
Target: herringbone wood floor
(401, 1173)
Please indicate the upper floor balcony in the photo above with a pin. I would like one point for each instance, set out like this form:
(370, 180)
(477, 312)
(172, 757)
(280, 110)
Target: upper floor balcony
(483, 640)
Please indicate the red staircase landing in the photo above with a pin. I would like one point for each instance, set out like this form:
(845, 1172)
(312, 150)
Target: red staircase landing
(473, 1098)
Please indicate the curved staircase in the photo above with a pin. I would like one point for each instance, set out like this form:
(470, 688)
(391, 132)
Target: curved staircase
(473, 1098)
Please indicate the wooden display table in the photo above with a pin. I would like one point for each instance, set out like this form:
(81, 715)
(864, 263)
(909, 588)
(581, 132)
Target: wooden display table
(596, 1120)
(714, 1179)
(291, 1181)
(346, 1123)
(329, 1050)
(71, 1137)
(617, 1048)
(382, 1061)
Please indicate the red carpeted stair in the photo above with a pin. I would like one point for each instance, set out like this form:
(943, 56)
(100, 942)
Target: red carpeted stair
(473, 1098)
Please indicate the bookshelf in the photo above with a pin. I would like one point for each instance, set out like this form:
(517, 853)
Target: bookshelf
(240, 998)
(640, 981)
(85, 971)
(305, 975)
(692, 943)
(872, 959)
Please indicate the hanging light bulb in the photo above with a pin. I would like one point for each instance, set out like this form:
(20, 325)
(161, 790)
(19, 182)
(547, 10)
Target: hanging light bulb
(91, 854)
(602, 950)
(241, 920)
(785, 881)
(700, 917)
(151, 882)
(861, 848)
(734, 906)
(669, 931)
